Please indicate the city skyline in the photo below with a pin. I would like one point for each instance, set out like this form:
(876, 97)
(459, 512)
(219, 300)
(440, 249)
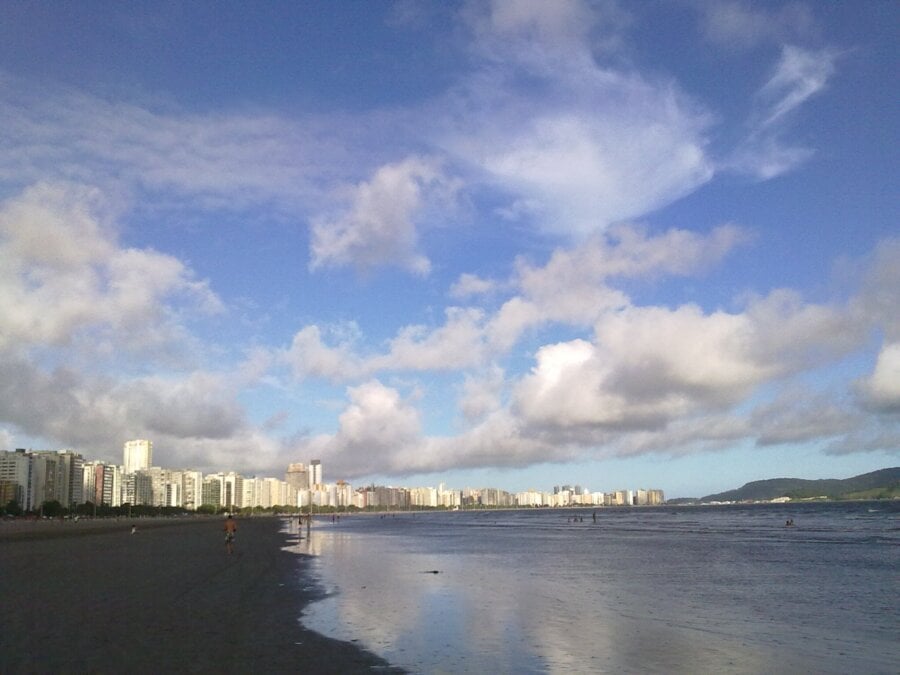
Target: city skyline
(30, 479)
(491, 243)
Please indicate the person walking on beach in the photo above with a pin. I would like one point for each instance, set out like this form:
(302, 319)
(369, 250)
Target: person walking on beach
(230, 528)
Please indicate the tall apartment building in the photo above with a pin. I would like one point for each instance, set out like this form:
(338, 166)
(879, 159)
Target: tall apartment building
(423, 496)
(43, 476)
(102, 483)
(137, 488)
(15, 468)
(211, 494)
(192, 489)
(280, 493)
(250, 492)
(71, 464)
(173, 489)
(223, 490)
(298, 477)
(315, 473)
(137, 455)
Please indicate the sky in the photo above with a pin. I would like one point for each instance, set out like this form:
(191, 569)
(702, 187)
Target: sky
(516, 244)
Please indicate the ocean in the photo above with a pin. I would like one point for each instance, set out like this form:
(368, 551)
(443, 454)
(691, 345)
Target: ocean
(713, 589)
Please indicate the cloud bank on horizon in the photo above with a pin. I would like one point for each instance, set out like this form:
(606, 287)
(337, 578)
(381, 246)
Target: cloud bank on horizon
(566, 232)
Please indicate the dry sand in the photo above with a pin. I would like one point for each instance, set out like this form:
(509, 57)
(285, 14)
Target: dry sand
(90, 597)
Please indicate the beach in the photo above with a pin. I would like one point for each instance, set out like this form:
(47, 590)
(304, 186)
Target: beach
(93, 597)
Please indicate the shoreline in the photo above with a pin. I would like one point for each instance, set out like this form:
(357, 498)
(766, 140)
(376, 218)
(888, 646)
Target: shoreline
(167, 598)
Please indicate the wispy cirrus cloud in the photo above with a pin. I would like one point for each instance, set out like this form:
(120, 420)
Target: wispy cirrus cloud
(738, 25)
(799, 75)
(216, 161)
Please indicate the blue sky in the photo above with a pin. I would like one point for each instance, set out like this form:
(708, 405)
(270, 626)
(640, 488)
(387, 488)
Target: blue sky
(515, 244)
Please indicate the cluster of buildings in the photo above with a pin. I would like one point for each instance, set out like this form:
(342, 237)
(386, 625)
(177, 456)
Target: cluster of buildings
(33, 478)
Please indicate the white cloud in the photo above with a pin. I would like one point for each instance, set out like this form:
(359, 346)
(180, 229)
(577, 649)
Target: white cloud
(589, 156)
(799, 75)
(375, 429)
(380, 226)
(881, 390)
(574, 286)
(308, 356)
(96, 412)
(648, 367)
(459, 343)
(481, 395)
(878, 302)
(228, 160)
(798, 335)
(532, 32)
(799, 416)
(471, 284)
(741, 25)
(80, 311)
(64, 275)
(575, 146)
(651, 366)
(500, 440)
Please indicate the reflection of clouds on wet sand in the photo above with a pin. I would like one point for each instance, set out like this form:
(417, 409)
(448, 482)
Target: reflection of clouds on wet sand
(480, 614)
(375, 595)
(413, 617)
(545, 598)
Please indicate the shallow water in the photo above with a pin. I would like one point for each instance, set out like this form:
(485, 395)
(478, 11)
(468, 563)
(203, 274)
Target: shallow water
(690, 589)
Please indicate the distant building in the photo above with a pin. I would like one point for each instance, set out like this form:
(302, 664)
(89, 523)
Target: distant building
(102, 484)
(298, 477)
(137, 455)
(315, 473)
(15, 468)
(192, 489)
(532, 498)
(224, 490)
(8, 492)
(424, 496)
(212, 491)
(43, 476)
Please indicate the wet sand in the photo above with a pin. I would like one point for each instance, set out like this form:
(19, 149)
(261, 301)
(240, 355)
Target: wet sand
(91, 597)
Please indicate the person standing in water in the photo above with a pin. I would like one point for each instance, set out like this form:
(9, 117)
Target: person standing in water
(230, 528)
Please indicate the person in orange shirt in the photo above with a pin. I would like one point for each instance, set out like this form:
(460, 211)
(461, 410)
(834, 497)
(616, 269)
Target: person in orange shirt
(230, 528)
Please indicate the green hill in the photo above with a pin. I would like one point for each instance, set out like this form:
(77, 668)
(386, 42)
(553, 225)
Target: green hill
(881, 484)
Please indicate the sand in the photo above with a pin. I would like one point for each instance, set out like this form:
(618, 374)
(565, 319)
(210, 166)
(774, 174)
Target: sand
(91, 597)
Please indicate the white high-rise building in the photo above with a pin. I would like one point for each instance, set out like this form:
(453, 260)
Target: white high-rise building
(138, 455)
(315, 473)
(192, 489)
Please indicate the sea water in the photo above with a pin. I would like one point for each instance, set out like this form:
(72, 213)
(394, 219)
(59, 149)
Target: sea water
(728, 589)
